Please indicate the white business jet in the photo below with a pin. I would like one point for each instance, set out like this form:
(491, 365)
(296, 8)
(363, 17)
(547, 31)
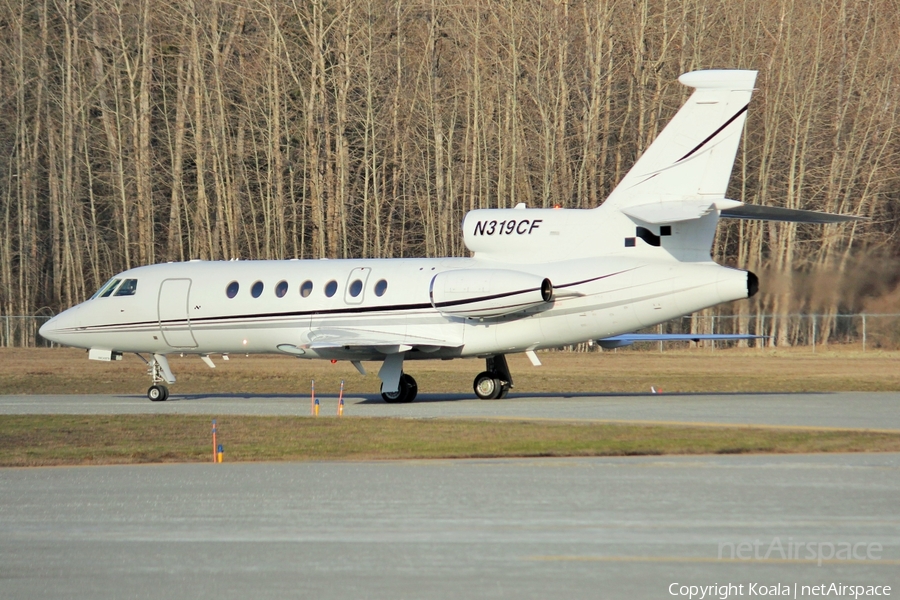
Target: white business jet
(537, 278)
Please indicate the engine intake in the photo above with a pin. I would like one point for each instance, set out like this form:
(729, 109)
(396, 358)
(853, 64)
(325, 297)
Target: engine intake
(482, 293)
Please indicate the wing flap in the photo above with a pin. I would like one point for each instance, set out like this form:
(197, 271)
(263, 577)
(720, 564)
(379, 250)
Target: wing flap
(369, 341)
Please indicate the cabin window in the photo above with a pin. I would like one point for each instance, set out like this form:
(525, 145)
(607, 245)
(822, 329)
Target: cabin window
(257, 289)
(106, 289)
(128, 288)
(331, 288)
(380, 287)
(306, 289)
(281, 289)
(355, 288)
(232, 289)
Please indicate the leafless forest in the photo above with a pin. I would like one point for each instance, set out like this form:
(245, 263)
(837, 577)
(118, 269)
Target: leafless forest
(139, 131)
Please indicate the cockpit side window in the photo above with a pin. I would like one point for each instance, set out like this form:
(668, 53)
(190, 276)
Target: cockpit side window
(107, 288)
(128, 288)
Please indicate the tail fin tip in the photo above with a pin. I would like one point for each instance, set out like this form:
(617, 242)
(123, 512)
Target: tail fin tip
(692, 157)
(730, 79)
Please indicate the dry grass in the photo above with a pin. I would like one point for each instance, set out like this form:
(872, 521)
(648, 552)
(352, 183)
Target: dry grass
(60, 371)
(39, 440)
(68, 439)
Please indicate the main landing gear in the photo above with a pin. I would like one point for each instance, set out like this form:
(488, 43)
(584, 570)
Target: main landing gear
(406, 393)
(494, 383)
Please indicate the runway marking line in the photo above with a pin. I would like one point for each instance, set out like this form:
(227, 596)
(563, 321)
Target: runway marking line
(702, 559)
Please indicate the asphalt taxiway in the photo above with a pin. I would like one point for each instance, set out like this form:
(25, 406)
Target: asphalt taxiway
(626, 527)
(513, 528)
(852, 410)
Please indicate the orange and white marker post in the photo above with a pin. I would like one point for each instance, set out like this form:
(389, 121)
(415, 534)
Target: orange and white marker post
(215, 446)
(341, 400)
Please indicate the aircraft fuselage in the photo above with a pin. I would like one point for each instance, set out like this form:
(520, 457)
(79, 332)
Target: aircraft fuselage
(187, 308)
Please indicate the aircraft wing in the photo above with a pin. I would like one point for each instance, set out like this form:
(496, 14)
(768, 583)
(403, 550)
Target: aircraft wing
(374, 341)
(618, 341)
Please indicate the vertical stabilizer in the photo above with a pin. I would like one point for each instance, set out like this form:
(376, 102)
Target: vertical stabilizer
(693, 156)
(666, 207)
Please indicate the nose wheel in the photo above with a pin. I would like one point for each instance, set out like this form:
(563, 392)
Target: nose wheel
(158, 393)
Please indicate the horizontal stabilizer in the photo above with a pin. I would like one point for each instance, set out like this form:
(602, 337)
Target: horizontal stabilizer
(679, 210)
(790, 215)
(618, 341)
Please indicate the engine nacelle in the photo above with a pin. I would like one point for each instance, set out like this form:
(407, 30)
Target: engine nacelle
(481, 293)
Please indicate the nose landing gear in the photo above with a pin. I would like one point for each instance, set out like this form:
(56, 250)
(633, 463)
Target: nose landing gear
(160, 374)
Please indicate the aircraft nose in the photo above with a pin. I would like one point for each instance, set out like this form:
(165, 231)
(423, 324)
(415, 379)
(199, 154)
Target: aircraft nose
(56, 328)
(48, 330)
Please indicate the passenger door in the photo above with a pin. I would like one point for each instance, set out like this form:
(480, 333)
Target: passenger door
(173, 311)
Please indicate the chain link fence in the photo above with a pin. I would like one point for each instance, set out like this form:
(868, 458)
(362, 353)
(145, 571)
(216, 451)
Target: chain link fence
(867, 331)
(22, 332)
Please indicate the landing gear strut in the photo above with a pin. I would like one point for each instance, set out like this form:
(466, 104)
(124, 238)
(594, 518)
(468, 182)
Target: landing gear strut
(495, 382)
(406, 393)
(160, 375)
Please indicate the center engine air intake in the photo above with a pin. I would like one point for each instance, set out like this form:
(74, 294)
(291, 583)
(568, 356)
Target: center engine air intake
(481, 293)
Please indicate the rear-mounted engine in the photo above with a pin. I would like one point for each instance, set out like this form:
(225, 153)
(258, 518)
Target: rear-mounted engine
(481, 293)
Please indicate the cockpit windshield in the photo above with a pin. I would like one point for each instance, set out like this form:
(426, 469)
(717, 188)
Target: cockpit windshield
(128, 288)
(107, 288)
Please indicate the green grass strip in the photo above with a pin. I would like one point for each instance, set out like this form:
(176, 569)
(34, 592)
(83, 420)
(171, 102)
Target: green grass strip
(34, 440)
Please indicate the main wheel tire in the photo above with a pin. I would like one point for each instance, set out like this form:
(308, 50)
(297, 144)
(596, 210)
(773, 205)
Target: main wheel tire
(412, 388)
(392, 397)
(407, 391)
(158, 393)
(488, 386)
